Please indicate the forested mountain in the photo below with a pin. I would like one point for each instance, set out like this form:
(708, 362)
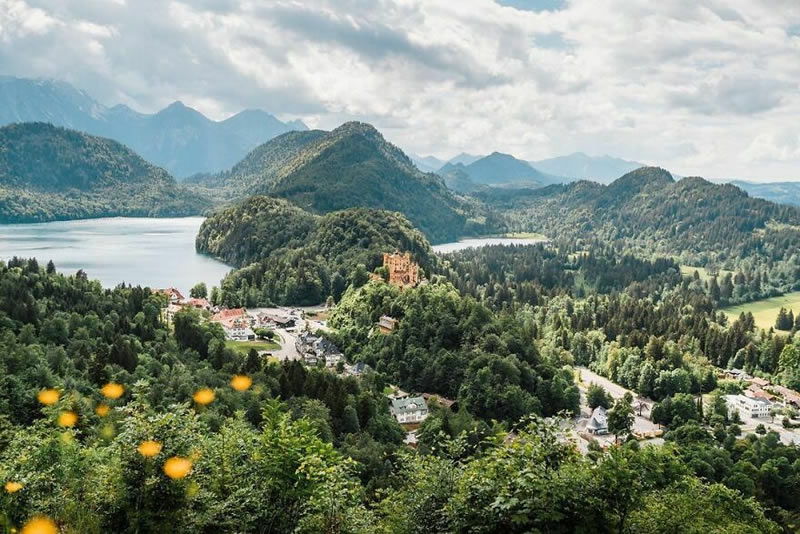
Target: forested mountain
(290, 256)
(780, 192)
(351, 166)
(457, 178)
(178, 138)
(496, 169)
(579, 166)
(51, 173)
(648, 212)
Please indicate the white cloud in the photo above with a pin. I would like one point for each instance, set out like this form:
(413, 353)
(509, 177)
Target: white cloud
(699, 87)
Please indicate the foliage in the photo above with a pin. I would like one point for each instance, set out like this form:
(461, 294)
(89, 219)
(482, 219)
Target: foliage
(49, 173)
(351, 166)
(648, 213)
(452, 345)
(296, 258)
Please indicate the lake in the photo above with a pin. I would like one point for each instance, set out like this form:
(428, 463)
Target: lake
(149, 252)
(485, 241)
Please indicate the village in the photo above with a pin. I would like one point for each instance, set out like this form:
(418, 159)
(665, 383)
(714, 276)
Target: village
(295, 333)
(298, 334)
(761, 407)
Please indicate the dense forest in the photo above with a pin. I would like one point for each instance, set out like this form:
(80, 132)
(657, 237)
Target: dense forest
(49, 173)
(289, 256)
(113, 422)
(649, 214)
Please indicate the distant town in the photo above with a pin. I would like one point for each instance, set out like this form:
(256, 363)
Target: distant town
(298, 334)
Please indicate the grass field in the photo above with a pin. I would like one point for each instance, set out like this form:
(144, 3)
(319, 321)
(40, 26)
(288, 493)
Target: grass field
(245, 346)
(766, 311)
(687, 270)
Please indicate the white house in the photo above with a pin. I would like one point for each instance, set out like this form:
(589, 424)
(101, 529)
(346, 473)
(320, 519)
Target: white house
(237, 330)
(598, 422)
(409, 409)
(331, 360)
(748, 406)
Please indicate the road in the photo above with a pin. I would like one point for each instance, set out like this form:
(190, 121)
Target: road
(788, 436)
(640, 424)
(288, 351)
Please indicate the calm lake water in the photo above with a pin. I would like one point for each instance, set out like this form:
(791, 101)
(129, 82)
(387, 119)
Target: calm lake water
(484, 241)
(148, 252)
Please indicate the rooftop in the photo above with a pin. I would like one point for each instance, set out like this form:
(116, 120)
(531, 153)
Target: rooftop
(408, 404)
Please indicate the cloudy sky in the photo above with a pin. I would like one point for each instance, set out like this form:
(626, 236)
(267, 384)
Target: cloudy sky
(702, 87)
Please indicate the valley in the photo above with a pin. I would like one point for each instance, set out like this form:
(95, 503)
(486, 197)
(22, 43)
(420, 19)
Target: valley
(336, 306)
(399, 267)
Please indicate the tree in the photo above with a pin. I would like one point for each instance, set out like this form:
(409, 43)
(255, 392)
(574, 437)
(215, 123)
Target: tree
(216, 297)
(784, 321)
(621, 416)
(596, 396)
(252, 364)
(647, 380)
(199, 291)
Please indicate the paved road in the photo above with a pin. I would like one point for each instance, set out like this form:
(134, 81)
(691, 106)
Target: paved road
(788, 436)
(288, 351)
(640, 424)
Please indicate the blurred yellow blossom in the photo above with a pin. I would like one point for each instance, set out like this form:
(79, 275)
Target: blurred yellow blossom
(149, 449)
(67, 419)
(48, 397)
(13, 487)
(177, 467)
(112, 390)
(204, 396)
(241, 382)
(40, 525)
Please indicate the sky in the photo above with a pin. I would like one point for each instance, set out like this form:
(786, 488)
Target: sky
(701, 87)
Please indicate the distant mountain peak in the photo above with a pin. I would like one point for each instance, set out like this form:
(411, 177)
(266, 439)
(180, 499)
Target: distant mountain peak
(642, 178)
(581, 166)
(178, 137)
(108, 177)
(357, 127)
(350, 166)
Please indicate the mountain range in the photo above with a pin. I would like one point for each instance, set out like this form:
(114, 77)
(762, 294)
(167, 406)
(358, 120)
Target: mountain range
(780, 192)
(178, 138)
(579, 166)
(52, 173)
(647, 211)
(351, 166)
(496, 169)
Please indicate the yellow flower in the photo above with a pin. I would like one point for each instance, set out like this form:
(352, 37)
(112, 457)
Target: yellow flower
(112, 390)
(241, 382)
(177, 467)
(148, 449)
(48, 397)
(13, 487)
(40, 525)
(67, 418)
(204, 396)
(102, 410)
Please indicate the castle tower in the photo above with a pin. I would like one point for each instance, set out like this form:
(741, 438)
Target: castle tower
(403, 272)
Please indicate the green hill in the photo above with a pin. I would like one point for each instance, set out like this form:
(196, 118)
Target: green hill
(290, 256)
(50, 173)
(648, 212)
(351, 166)
(498, 168)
